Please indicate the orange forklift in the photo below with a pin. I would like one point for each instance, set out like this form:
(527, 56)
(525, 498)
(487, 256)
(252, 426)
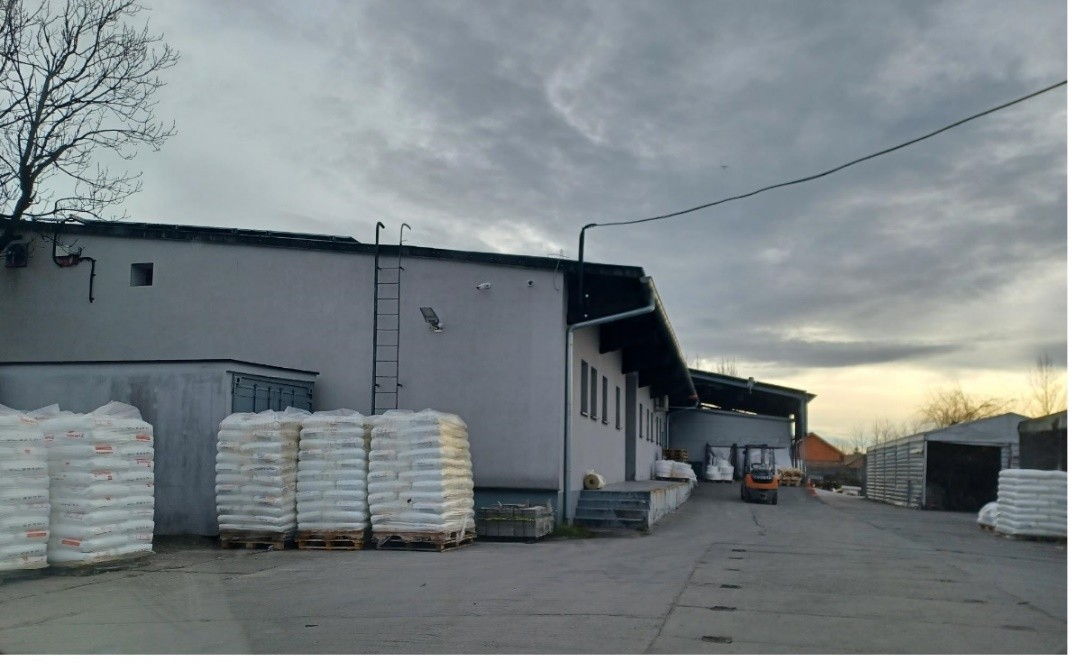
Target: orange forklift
(759, 477)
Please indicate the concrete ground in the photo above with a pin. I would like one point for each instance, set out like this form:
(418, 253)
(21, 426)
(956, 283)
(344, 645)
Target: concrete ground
(812, 575)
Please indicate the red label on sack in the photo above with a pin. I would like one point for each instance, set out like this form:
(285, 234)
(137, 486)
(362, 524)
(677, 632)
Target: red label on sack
(70, 542)
(144, 437)
(103, 449)
(103, 474)
(36, 533)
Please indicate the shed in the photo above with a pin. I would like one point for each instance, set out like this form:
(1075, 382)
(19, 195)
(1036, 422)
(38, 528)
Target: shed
(954, 468)
(1043, 442)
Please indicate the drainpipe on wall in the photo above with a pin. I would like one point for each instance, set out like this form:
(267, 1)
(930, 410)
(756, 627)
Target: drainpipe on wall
(569, 374)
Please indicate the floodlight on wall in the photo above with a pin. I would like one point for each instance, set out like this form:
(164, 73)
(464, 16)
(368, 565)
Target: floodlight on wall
(431, 318)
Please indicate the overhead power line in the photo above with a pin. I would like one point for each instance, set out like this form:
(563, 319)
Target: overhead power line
(835, 169)
(583, 230)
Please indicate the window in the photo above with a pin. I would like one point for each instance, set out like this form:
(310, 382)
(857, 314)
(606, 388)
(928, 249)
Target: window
(639, 431)
(141, 275)
(650, 424)
(605, 400)
(594, 393)
(617, 407)
(583, 388)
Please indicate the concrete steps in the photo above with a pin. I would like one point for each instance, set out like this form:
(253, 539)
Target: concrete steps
(613, 510)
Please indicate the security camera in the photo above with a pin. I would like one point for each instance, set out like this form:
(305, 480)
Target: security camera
(483, 286)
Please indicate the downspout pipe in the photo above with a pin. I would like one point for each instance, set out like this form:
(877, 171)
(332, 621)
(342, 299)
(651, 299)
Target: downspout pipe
(567, 513)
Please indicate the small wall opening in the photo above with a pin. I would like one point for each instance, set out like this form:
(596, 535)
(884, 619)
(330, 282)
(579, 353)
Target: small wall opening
(142, 275)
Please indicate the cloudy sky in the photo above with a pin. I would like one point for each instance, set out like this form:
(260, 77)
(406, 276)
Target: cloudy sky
(506, 126)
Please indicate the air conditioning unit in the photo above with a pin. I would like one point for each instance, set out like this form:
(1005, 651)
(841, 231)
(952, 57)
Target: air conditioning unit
(661, 404)
(15, 255)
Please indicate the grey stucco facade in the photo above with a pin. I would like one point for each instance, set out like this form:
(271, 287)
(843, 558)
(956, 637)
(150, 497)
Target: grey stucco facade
(695, 429)
(499, 361)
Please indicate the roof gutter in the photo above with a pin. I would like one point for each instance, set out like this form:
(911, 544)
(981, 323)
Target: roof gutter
(568, 513)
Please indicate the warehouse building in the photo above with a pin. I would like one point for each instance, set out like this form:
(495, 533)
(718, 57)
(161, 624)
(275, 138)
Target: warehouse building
(191, 323)
(954, 468)
(739, 411)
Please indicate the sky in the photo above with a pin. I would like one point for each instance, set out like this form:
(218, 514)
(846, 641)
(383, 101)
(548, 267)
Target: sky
(506, 126)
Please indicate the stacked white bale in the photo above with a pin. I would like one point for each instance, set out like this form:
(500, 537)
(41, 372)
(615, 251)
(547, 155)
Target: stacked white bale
(331, 493)
(101, 485)
(420, 478)
(24, 492)
(1031, 503)
(257, 457)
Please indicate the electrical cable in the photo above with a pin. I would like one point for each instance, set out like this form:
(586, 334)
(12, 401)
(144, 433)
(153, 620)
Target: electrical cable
(835, 169)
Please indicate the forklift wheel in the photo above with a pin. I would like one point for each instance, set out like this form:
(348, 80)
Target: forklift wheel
(774, 500)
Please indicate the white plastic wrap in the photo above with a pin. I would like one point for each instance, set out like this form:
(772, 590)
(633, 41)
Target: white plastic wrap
(257, 462)
(101, 484)
(988, 515)
(419, 478)
(24, 492)
(332, 473)
(1032, 503)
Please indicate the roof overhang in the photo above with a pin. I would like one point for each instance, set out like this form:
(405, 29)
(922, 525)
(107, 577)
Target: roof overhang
(647, 343)
(727, 392)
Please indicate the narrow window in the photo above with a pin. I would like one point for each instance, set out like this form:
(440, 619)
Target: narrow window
(583, 388)
(605, 400)
(642, 434)
(141, 275)
(650, 423)
(617, 407)
(594, 393)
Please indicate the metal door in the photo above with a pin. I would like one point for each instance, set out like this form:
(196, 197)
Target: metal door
(255, 393)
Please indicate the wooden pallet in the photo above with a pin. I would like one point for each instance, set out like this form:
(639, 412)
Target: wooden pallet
(99, 566)
(987, 529)
(423, 541)
(1033, 538)
(245, 539)
(331, 541)
(679, 455)
(22, 574)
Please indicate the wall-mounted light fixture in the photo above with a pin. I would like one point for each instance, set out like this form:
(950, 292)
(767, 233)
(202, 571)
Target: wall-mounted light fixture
(431, 318)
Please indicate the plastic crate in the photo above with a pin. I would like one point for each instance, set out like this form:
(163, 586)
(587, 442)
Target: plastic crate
(525, 522)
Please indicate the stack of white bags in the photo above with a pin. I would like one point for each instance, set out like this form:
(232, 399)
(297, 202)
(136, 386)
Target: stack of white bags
(332, 472)
(420, 478)
(1032, 503)
(664, 469)
(24, 492)
(101, 484)
(257, 457)
(722, 471)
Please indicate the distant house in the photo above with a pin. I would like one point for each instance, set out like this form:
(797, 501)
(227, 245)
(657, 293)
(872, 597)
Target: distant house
(826, 465)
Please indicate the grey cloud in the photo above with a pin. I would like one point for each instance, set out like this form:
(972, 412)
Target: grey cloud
(475, 122)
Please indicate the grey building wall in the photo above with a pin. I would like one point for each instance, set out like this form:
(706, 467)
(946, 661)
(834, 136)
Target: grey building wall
(596, 445)
(498, 364)
(185, 402)
(694, 429)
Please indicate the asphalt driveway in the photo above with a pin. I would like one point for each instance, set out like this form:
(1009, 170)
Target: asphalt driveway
(814, 574)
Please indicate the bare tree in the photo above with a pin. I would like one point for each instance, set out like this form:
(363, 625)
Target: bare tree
(1047, 388)
(880, 430)
(946, 407)
(77, 82)
(727, 366)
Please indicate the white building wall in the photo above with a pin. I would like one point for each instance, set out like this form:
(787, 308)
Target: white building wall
(596, 445)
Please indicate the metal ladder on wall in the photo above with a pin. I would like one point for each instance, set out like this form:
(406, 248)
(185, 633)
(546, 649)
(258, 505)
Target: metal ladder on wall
(385, 367)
